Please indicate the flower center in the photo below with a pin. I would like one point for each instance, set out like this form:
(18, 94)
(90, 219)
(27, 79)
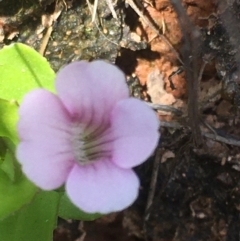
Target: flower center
(90, 144)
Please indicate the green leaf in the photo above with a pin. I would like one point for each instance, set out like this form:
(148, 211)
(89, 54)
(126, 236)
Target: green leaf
(8, 119)
(13, 195)
(9, 163)
(8, 166)
(3, 150)
(34, 222)
(21, 70)
(67, 210)
(15, 189)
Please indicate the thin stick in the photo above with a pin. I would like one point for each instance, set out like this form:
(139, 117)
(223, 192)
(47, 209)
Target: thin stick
(110, 5)
(228, 139)
(171, 124)
(153, 183)
(94, 12)
(45, 40)
(190, 56)
(53, 17)
(167, 108)
(201, 72)
(153, 27)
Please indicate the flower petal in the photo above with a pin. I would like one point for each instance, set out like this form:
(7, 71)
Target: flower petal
(43, 118)
(45, 149)
(102, 187)
(90, 90)
(135, 132)
(44, 170)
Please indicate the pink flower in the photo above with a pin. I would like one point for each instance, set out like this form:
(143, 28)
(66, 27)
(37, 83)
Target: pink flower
(88, 136)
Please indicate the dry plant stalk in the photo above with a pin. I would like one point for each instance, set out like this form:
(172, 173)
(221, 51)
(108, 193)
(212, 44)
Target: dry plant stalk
(152, 25)
(190, 58)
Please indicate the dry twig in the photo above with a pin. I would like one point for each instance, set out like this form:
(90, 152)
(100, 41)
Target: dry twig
(224, 138)
(45, 40)
(167, 108)
(47, 22)
(193, 75)
(152, 24)
(153, 183)
(93, 9)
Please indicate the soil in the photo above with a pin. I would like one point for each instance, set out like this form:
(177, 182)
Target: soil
(183, 58)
